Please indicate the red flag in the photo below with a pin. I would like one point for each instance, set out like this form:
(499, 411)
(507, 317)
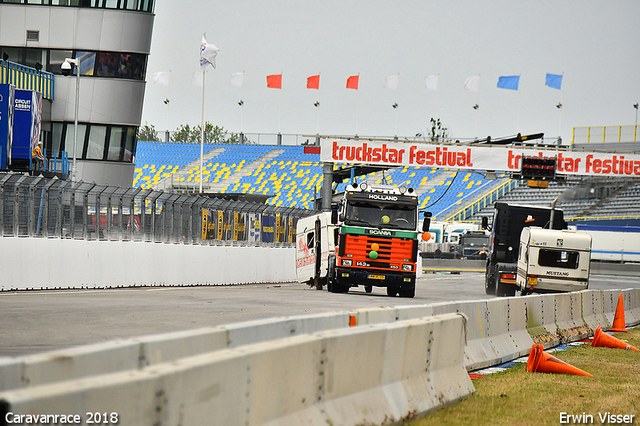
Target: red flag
(352, 82)
(274, 81)
(313, 82)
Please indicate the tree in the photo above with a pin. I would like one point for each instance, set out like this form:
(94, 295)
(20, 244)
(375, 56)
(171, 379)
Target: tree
(213, 135)
(148, 133)
(438, 133)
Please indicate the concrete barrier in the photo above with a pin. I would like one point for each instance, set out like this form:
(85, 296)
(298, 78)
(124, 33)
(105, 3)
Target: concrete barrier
(374, 374)
(497, 330)
(593, 309)
(109, 264)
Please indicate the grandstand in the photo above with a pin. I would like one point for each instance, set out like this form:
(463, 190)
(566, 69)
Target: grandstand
(291, 174)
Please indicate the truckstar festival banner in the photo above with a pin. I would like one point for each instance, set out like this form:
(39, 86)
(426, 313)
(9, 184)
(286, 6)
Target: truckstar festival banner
(466, 157)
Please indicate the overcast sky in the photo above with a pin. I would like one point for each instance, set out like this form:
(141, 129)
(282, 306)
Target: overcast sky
(595, 44)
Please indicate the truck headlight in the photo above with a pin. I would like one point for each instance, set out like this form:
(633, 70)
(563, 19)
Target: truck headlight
(407, 267)
(347, 262)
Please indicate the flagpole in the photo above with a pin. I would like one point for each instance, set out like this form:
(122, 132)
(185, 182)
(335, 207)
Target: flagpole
(357, 104)
(202, 129)
(168, 107)
(318, 108)
(242, 106)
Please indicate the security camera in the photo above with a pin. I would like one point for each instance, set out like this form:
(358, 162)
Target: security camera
(65, 68)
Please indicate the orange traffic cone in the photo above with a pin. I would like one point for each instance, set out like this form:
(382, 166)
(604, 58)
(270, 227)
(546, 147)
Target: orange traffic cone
(604, 340)
(618, 320)
(541, 362)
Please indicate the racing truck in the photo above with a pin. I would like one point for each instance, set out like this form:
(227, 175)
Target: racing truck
(370, 238)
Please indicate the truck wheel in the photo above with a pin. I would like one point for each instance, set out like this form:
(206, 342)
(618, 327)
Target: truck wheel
(368, 288)
(489, 285)
(392, 291)
(318, 283)
(408, 292)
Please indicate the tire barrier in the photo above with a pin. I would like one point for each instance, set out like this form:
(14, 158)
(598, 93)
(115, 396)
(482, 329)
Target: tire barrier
(375, 374)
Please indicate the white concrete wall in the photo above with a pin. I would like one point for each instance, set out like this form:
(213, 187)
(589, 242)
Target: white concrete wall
(34, 263)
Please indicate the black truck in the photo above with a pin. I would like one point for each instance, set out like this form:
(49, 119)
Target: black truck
(508, 221)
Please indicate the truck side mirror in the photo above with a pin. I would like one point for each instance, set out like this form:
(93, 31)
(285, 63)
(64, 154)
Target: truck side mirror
(426, 222)
(485, 222)
(334, 216)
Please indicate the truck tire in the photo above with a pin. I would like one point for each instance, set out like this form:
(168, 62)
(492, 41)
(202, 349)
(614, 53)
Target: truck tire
(368, 288)
(489, 284)
(331, 269)
(408, 292)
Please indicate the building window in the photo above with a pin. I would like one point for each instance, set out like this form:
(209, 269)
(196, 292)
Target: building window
(87, 62)
(95, 141)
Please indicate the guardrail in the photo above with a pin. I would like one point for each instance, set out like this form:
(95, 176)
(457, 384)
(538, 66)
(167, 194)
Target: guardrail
(604, 134)
(364, 366)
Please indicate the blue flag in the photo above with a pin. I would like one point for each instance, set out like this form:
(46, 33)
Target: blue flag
(554, 81)
(509, 82)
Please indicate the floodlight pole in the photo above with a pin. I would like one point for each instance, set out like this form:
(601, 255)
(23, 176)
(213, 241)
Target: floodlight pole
(76, 62)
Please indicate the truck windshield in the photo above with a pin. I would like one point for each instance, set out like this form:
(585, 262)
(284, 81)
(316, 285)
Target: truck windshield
(474, 241)
(381, 216)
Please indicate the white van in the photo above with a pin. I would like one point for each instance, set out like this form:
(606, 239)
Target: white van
(315, 238)
(552, 260)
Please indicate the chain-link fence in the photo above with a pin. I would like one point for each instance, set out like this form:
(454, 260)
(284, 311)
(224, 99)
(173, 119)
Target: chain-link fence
(51, 208)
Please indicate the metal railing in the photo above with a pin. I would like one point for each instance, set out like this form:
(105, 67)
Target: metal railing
(604, 134)
(484, 201)
(34, 206)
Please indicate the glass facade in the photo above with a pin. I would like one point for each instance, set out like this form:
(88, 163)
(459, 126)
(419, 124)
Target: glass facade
(139, 5)
(95, 141)
(131, 66)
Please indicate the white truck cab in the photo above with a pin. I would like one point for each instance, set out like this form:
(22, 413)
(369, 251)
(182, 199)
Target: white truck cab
(551, 260)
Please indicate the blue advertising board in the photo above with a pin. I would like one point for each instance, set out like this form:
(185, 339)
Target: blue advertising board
(26, 123)
(6, 123)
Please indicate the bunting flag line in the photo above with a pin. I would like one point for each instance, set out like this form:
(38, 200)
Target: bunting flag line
(431, 82)
(391, 82)
(274, 81)
(313, 82)
(509, 82)
(554, 81)
(196, 78)
(352, 82)
(161, 77)
(472, 83)
(208, 53)
(237, 79)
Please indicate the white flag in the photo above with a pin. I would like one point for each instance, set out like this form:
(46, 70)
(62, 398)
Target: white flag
(237, 79)
(208, 53)
(431, 82)
(161, 78)
(196, 79)
(472, 83)
(391, 82)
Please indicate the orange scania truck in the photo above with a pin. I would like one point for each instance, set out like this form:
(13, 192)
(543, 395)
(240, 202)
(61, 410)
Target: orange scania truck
(369, 238)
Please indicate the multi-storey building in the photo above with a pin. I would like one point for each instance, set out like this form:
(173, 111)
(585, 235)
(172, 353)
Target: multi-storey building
(112, 40)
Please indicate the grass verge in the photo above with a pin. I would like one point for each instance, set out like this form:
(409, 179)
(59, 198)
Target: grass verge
(517, 397)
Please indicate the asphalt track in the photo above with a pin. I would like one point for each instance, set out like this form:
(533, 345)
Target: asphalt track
(36, 321)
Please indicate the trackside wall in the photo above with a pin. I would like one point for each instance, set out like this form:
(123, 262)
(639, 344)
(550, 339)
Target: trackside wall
(40, 263)
(375, 374)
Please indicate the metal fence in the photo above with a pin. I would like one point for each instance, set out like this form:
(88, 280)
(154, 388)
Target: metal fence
(33, 206)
